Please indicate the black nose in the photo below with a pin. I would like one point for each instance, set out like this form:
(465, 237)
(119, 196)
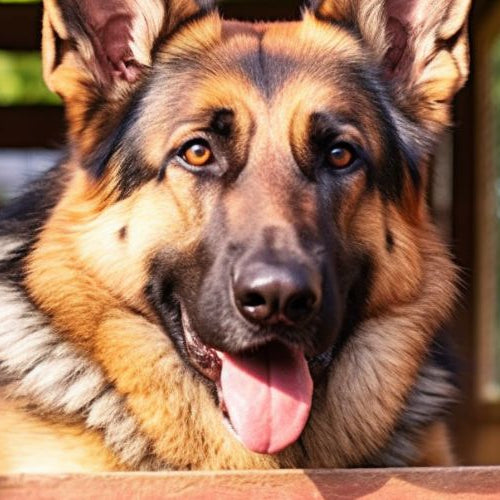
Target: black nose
(269, 293)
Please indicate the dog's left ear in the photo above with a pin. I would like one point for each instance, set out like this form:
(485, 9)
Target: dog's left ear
(105, 45)
(421, 44)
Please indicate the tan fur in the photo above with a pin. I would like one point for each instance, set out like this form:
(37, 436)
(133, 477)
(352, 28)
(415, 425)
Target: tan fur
(35, 445)
(379, 362)
(368, 14)
(89, 267)
(396, 280)
(135, 353)
(161, 391)
(69, 239)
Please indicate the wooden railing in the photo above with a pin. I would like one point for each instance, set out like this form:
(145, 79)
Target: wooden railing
(401, 484)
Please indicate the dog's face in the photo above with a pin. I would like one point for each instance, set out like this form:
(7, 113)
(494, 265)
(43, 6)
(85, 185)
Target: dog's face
(254, 189)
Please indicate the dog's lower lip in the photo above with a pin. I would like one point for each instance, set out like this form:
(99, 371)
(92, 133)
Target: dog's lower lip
(206, 359)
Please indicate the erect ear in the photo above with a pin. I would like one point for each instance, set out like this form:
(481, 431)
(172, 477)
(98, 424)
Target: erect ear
(421, 44)
(105, 43)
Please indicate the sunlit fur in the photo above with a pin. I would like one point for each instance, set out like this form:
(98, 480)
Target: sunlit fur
(85, 360)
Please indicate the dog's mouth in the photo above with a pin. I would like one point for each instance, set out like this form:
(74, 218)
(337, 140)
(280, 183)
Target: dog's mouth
(265, 394)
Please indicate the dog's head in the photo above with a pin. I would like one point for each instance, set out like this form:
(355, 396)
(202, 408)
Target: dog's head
(256, 189)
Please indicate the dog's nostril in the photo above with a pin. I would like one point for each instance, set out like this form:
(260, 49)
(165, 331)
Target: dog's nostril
(253, 300)
(270, 293)
(299, 307)
(255, 306)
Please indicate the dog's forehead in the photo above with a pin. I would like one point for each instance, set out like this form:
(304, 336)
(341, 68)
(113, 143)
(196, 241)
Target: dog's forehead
(299, 40)
(274, 76)
(262, 58)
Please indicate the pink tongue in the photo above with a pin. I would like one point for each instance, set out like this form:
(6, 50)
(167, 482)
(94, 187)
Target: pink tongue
(268, 396)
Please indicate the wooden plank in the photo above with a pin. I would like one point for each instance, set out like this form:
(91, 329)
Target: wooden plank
(31, 126)
(474, 418)
(387, 484)
(20, 26)
(256, 10)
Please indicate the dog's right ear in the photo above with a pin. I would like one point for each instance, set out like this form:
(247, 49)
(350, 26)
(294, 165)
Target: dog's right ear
(105, 45)
(421, 45)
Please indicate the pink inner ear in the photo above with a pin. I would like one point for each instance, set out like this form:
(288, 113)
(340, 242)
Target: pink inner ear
(408, 12)
(404, 17)
(397, 52)
(110, 28)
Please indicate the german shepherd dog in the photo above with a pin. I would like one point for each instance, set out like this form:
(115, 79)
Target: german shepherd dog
(234, 266)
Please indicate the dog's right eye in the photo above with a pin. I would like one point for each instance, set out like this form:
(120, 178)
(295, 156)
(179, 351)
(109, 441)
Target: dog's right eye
(341, 156)
(197, 153)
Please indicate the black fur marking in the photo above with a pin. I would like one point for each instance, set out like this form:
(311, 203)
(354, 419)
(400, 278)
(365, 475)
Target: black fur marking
(389, 241)
(27, 213)
(113, 136)
(267, 71)
(398, 154)
(25, 216)
(355, 302)
(117, 146)
(324, 131)
(160, 294)
(222, 122)
(122, 233)
(98, 103)
(412, 158)
(133, 172)
(390, 175)
(411, 144)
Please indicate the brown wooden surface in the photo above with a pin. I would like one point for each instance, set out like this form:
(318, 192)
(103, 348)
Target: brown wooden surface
(32, 126)
(262, 9)
(20, 26)
(464, 250)
(400, 484)
(477, 422)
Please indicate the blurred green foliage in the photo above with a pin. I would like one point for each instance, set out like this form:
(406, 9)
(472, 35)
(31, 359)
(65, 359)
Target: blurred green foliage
(21, 76)
(21, 80)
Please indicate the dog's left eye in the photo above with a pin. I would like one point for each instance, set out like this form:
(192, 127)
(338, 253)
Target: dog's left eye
(341, 156)
(197, 153)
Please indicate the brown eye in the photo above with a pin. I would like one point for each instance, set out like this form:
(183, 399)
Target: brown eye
(341, 156)
(198, 154)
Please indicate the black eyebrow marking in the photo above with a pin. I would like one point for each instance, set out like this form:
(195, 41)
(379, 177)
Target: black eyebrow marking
(222, 122)
(324, 125)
